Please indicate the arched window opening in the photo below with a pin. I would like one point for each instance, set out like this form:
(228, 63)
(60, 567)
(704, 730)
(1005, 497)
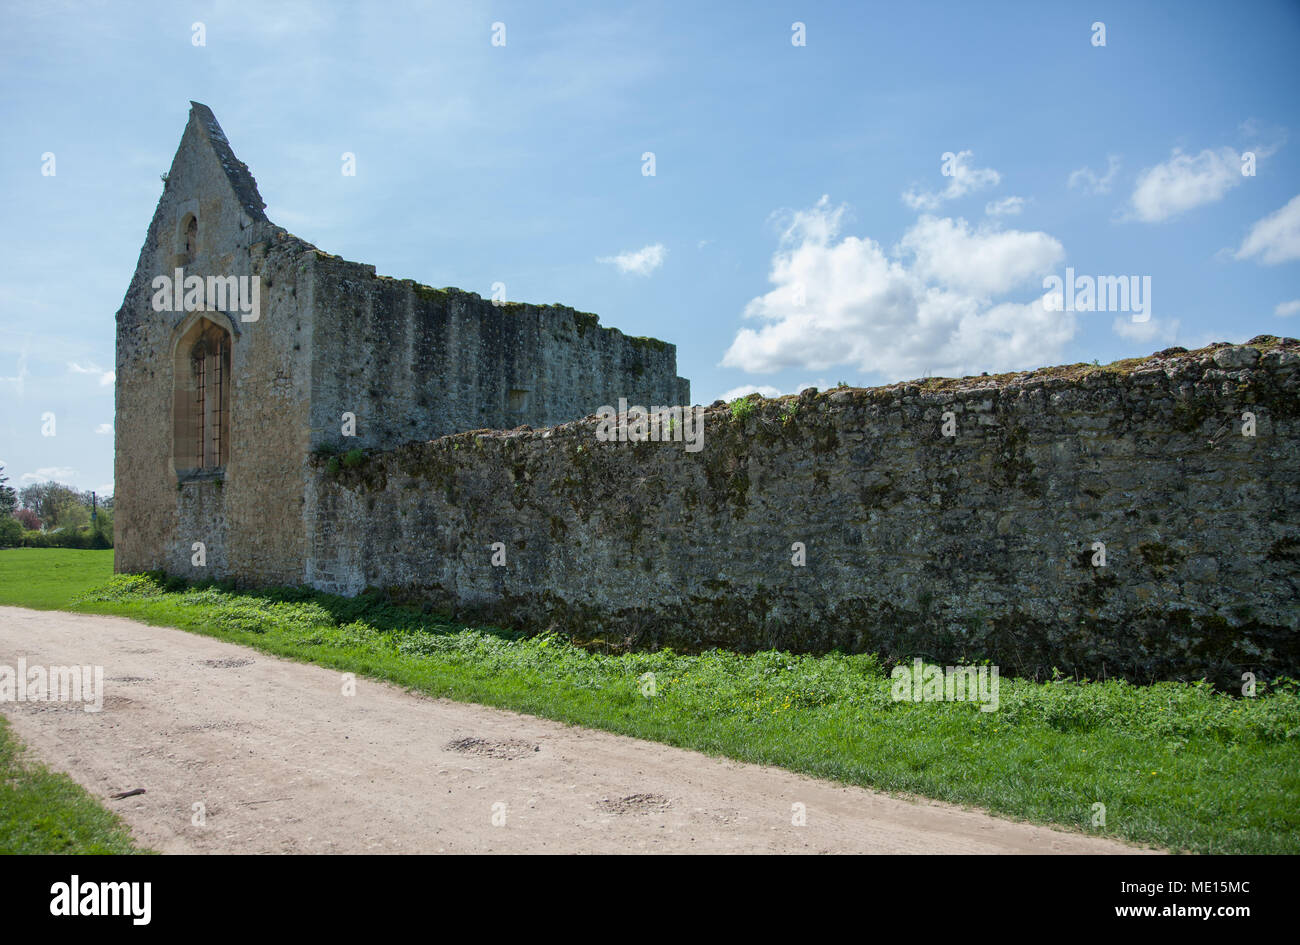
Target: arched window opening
(202, 404)
(186, 241)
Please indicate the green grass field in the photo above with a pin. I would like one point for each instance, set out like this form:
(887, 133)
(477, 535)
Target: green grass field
(1177, 766)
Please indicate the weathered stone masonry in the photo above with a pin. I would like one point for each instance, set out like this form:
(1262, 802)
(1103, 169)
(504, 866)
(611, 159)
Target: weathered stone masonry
(216, 449)
(977, 546)
(948, 548)
(414, 362)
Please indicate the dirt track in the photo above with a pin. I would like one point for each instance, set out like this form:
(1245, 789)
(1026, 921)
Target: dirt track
(284, 763)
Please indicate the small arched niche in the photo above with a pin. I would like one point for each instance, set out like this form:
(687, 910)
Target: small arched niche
(187, 240)
(201, 408)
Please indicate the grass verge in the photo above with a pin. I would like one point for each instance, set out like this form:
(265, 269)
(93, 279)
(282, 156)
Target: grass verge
(45, 812)
(1175, 765)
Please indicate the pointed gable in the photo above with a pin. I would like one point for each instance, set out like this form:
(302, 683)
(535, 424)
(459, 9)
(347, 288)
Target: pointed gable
(241, 179)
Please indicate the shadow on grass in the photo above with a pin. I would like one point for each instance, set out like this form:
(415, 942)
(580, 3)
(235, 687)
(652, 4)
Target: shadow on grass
(372, 606)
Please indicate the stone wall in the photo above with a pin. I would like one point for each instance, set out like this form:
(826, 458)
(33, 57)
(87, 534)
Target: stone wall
(330, 337)
(971, 546)
(411, 362)
(249, 514)
(979, 545)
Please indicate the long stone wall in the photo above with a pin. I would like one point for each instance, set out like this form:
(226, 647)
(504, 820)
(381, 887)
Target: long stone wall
(977, 545)
(412, 362)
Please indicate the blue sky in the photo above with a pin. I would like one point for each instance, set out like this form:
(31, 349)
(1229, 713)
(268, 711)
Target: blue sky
(798, 228)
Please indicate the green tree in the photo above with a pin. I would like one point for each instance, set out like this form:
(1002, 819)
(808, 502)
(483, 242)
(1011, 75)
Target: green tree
(11, 532)
(47, 499)
(103, 525)
(70, 511)
(8, 497)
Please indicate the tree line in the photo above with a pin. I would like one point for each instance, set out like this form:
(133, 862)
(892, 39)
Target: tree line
(53, 515)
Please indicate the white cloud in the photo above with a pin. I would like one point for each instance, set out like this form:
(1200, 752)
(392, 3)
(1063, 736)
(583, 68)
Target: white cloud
(104, 428)
(742, 390)
(1184, 182)
(1088, 180)
(863, 309)
(1153, 329)
(983, 262)
(1287, 309)
(964, 180)
(1006, 207)
(640, 262)
(59, 473)
(106, 378)
(1276, 238)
